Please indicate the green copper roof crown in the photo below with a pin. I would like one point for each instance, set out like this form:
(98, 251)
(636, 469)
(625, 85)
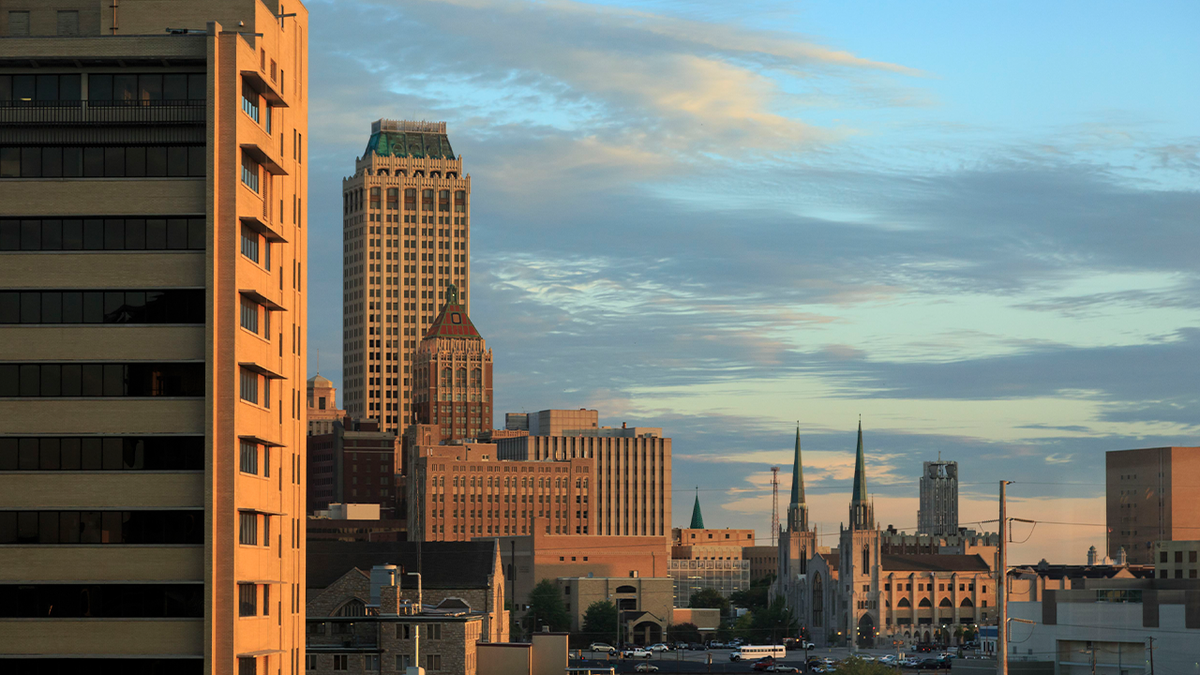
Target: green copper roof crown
(392, 138)
(797, 473)
(860, 472)
(697, 519)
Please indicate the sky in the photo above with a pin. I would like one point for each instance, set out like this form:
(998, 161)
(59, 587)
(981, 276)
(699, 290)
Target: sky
(973, 226)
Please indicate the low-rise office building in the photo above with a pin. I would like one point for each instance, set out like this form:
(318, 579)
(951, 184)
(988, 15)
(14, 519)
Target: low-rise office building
(644, 605)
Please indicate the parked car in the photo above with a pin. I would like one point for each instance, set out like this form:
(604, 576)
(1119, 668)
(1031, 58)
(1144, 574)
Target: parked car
(601, 647)
(763, 663)
(635, 653)
(659, 647)
(646, 668)
(696, 646)
(717, 644)
(888, 659)
(781, 668)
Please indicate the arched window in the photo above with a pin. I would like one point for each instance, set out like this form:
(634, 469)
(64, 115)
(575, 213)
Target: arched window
(354, 607)
(945, 603)
(626, 589)
(383, 172)
(966, 602)
(903, 602)
(925, 603)
(462, 375)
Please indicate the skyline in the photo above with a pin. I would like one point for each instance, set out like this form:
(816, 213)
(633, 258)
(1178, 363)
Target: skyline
(968, 226)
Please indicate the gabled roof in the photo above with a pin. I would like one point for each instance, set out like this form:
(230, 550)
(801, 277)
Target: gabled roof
(452, 321)
(443, 565)
(933, 562)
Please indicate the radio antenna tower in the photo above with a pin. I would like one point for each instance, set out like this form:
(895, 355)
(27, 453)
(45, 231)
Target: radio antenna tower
(774, 504)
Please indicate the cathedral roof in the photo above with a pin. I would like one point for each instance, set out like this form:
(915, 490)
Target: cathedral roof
(933, 562)
(860, 472)
(452, 321)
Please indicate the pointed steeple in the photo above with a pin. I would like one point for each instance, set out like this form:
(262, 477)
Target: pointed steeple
(860, 472)
(862, 512)
(697, 519)
(797, 519)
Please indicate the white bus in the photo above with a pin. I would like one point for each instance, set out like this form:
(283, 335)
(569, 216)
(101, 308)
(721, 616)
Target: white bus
(756, 652)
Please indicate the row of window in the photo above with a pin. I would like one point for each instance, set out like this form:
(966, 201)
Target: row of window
(107, 234)
(103, 88)
(103, 666)
(111, 161)
(101, 527)
(169, 306)
(112, 453)
(248, 599)
(101, 379)
(370, 662)
(107, 601)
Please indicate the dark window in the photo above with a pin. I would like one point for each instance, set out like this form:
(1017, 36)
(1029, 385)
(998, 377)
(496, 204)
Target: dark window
(107, 379)
(101, 527)
(113, 161)
(249, 457)
(131, 453)
(93, 234)
(248, 533)
(170, 306)
(104, 666)
(102, 601)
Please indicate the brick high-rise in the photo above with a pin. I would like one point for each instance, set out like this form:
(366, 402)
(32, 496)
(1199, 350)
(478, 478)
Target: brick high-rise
(152, 267)
(406, 234)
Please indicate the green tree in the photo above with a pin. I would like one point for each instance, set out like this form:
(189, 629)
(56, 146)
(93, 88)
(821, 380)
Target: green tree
(546, 608)
(773, 623)
(743, 627)
(683, 632)
(710, 598)
(601, 623)
(753, 598)
(968, 633)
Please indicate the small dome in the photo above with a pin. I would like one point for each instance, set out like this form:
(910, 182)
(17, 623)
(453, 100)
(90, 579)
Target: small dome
(319, 381)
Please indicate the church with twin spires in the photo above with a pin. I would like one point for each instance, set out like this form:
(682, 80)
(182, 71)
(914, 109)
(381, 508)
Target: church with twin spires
(861, 595)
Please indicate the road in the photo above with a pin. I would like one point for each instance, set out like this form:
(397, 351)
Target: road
(697, 661)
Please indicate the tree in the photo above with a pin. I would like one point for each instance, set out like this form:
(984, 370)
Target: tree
(684, 632)
(601, 622)
(968, 633)
(546, 608)
(773, 623)
(710, 598)
(753, 598)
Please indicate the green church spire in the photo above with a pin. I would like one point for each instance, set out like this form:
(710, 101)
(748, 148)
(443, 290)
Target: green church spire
(697, 519)
(797, 473)
(860, 472)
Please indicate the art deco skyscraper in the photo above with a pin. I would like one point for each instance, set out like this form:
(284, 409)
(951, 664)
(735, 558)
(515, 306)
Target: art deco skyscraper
(152, 259)
(406, 239)
(938, 514)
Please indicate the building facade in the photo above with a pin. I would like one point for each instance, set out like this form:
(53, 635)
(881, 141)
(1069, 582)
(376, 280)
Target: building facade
(630, 492)
(406, 239)
(452, 375)
(152, 279)
(1177, 559)
(643, 606)
(938, 514)
(322, 406)
(1149, 498)
(357, 463)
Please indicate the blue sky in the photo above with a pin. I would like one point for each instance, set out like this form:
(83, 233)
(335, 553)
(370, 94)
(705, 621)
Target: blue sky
(973, 225)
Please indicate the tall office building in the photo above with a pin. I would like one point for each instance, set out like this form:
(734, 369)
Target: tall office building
(152, 250)
(938, 513)
(453, 375)
(406, 239)
(1150, 496)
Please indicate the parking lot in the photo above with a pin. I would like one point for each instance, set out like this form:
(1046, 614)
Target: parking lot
(697, 661)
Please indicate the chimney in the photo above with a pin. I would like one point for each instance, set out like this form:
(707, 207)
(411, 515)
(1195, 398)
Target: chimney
(382, 576)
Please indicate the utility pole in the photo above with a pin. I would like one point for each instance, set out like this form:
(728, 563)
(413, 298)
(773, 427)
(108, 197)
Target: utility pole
(1151, 640)
(1002, 586)
(774, 505)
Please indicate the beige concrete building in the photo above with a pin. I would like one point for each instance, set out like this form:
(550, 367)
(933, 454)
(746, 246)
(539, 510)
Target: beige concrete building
(152, 279)
(1151, 497)
(630, 492)
(322, 410)
(764, 561)
(406, 232)
(1177, 559)
(546, 654)
(644, 605)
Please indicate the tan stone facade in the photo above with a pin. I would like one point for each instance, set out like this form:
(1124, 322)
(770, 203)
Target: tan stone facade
(152, 169)
(322, 406)
(764, 561)
(458, 492)
(1151, 497)
(644, 604)
(406, 233)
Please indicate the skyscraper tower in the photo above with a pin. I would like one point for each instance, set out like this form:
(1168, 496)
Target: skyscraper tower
(153, 250)
(406, 239)
(938, 514)
(453, 375)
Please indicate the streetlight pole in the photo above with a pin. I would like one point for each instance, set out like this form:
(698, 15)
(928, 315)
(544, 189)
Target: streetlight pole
(1002, 585)
(417, 635)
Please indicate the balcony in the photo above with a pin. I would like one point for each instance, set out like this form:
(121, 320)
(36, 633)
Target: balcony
(87, 113)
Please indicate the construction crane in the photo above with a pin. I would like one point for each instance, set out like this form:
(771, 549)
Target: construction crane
(774, 505)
